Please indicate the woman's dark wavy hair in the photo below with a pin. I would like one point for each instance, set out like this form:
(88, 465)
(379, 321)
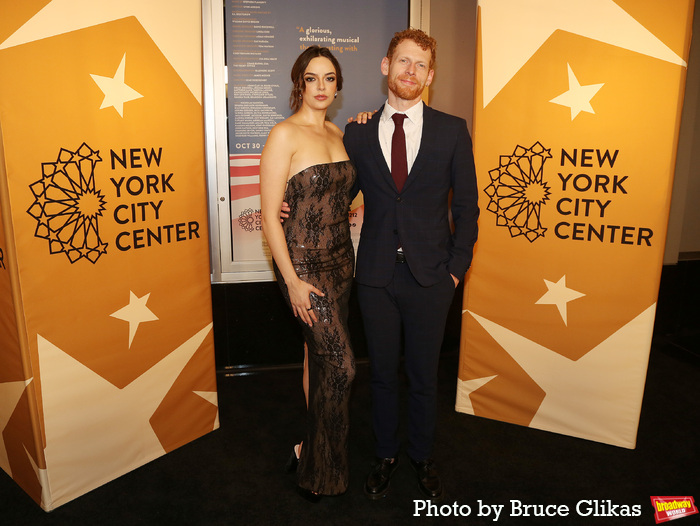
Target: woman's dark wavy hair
(299, 68)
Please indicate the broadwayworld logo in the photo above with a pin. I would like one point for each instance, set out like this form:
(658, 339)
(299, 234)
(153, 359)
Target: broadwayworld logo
(670, 508)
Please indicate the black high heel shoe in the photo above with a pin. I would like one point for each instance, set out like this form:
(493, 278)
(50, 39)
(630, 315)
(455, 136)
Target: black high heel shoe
(292, 463)
(308, 495)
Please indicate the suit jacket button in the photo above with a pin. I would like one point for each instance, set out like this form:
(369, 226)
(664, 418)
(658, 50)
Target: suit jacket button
(398, 198)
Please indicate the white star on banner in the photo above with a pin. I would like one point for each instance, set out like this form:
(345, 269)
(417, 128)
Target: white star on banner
(512, 32)
(171, 33)
(595, 397)
(466, 388)
(578, 98)
(135, 313)
(559, 294)
(96, 432)
(10, 393)
(212, 398)
(43, 478)
(115, 89)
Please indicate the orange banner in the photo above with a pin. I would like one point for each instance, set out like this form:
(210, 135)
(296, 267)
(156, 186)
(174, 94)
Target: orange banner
(105, 247)
(576, 122)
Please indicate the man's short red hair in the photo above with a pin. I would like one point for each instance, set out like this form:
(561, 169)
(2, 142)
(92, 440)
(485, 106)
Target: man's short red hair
(421, 38)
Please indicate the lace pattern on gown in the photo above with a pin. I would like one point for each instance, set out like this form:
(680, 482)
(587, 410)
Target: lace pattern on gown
(320, 247)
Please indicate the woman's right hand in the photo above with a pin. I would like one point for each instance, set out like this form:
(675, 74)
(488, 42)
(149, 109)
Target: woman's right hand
(300, 299)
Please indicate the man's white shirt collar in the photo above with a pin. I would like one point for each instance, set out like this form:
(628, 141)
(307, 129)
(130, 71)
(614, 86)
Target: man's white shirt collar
(414, 113)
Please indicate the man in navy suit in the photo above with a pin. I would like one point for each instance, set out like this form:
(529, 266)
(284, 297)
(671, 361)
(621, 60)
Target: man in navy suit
(409, 260)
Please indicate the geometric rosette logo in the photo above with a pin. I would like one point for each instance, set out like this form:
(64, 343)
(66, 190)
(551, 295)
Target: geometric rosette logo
(517, 191)
(246, 220)
(67, 205)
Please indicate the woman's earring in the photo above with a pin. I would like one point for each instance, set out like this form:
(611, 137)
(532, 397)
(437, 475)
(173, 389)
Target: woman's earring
(336, 95)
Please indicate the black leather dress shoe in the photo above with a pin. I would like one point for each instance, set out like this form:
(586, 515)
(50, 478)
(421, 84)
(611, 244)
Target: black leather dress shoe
(428, 479)
(378, 479)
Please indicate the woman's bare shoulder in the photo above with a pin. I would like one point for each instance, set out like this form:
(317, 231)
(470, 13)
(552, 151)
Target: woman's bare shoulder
(284, 129)
(283, 138)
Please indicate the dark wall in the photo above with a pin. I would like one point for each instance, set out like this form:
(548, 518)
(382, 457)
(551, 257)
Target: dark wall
(253, 327)
(677, 323)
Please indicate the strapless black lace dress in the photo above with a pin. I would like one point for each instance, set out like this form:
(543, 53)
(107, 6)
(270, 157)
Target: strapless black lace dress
(318, 239)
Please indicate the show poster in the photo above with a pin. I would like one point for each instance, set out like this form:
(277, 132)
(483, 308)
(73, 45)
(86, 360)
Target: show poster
(575, 131)
(263, 39)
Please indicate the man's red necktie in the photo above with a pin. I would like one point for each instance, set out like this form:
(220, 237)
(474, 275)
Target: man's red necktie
(399, 164)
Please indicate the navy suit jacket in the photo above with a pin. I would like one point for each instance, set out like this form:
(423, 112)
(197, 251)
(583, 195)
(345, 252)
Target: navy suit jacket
(417, 218)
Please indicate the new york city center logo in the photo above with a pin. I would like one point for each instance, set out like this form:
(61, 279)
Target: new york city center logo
(67, 205)
(518, 191)
(593, 201)
(145, 211)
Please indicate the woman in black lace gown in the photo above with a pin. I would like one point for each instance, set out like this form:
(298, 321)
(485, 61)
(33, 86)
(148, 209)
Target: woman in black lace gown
(305, 164)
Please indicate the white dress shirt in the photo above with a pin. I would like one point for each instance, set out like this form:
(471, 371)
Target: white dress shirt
(412, 127)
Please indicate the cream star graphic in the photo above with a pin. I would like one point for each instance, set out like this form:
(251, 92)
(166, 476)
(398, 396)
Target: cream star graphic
(96, 432)
(212, 398)
(135, 313)
(599, 396)
(578, 98)
(115, 89)
(560, 295)
(466, 388)
(10, 393)
(43, 478)
(172, 34)
(512, 31)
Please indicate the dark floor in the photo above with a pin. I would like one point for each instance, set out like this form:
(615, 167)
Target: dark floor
(234, 475)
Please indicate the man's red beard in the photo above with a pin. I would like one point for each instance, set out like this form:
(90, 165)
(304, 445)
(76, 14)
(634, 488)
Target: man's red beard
(405, 92)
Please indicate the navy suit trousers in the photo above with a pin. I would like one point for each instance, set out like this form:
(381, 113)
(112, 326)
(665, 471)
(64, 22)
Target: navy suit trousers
(405, 314)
